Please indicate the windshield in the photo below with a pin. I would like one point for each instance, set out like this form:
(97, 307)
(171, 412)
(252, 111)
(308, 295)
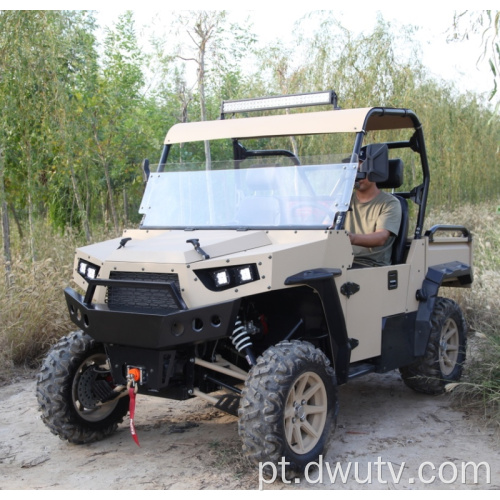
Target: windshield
(251, 196)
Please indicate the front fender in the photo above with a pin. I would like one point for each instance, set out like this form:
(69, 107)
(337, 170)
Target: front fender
(323, 282)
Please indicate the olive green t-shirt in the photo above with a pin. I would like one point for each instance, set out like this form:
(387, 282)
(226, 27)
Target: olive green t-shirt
(383, 212)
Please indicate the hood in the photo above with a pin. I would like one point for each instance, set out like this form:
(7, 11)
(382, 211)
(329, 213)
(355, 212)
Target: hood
(172, 247)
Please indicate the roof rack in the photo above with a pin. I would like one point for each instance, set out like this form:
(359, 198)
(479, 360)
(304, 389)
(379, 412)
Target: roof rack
(328, 97)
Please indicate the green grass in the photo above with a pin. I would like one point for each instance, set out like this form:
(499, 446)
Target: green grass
(479, 389)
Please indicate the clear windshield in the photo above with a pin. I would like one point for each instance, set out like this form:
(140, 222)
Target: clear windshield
(260, 196)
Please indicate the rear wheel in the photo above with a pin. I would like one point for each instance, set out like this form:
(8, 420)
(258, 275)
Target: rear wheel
(445, 354)
(71, 374)
(288, 405)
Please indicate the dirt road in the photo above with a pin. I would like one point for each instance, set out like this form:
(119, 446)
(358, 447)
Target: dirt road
(384, 429)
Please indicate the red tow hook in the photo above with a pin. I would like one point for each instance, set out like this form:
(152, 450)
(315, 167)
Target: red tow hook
(134, 376)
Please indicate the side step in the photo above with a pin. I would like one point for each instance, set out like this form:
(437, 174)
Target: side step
(229, 403)
(357, 370)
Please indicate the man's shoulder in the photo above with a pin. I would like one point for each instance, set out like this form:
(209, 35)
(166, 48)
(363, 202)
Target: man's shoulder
(389, 202)
(384, 197)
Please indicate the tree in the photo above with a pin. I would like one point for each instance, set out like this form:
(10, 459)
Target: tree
(486, 23)
(4, 215)
(215, 46)
(3, 196)
(72, 173)
(115, 128)
(205, 30)
(285, 76)
(41, 66)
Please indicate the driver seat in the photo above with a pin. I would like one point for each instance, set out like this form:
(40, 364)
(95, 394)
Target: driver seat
(394, 181)
(262, 208)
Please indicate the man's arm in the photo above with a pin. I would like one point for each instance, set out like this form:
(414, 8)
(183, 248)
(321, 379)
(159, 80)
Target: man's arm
(376, 239)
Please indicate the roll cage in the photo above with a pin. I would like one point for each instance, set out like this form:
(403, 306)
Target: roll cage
(357, 121)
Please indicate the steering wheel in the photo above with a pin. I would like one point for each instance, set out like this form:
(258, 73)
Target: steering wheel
(312, 212)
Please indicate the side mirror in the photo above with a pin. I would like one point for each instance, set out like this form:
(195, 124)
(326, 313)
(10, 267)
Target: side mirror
(376, 165)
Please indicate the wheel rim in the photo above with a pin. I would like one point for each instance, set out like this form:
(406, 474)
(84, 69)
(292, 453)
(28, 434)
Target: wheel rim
(449, 346)
(85, 401)
(305, 413)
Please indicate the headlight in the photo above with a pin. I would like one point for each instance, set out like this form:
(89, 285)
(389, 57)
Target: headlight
(228, 277)
(87, 270)
(244, 274)
(221, 278)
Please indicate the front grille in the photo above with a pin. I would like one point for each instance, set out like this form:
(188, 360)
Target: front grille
(143, 299)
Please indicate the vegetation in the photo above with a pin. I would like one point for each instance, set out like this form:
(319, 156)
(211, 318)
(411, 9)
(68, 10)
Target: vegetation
(78, 114)
(487, 23)
(480, 388)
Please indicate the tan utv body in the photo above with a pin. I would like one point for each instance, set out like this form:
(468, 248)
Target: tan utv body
(262, 314)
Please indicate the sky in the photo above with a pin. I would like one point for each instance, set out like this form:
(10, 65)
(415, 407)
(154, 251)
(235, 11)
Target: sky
(457, 62)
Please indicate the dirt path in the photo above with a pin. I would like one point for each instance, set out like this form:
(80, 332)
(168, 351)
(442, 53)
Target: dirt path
(383, 427)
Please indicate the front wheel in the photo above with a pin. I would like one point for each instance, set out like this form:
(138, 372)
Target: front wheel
(66, 391)
(288, 405)
(445, 354)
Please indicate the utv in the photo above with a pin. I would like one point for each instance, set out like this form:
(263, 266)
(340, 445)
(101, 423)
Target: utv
(239, 287)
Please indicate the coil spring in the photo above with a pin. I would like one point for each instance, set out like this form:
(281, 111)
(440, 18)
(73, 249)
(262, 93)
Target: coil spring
(240, 337)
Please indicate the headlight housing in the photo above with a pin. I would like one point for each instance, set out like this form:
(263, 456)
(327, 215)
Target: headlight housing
(88, 270)
(224, 278)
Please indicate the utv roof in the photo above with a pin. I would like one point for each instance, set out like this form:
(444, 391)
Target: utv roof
(318, 122)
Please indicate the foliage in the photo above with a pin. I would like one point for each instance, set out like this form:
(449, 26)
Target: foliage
(117, 134)
(46, 57)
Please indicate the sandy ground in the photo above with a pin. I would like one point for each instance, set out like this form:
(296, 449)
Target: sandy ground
(383, 428)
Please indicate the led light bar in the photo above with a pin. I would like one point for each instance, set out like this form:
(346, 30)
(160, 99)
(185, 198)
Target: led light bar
(280, 102)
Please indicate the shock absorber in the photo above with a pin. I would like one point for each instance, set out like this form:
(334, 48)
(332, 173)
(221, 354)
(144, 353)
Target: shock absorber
(242, 342)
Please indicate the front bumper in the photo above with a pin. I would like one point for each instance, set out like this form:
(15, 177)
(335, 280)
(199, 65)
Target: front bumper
(149, 330)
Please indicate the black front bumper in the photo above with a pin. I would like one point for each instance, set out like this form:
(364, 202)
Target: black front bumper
(150, 330)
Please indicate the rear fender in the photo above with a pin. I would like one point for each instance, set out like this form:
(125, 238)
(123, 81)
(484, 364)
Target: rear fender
(448, 274)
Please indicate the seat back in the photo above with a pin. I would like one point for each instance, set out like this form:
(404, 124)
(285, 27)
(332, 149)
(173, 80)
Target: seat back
(262, 207)
(399, 245)
(394, 181)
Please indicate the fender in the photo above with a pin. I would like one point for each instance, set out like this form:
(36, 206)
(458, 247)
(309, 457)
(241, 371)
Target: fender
(323, 282)
(448, 274)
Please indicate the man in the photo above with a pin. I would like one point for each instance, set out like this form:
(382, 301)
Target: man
(372, 223)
